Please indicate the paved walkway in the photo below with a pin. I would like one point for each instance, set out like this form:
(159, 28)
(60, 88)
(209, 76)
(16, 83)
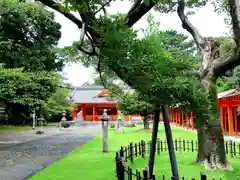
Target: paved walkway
(10, 138)
(28, 155)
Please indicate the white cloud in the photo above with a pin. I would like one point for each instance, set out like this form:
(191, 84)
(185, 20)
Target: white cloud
(206, 21)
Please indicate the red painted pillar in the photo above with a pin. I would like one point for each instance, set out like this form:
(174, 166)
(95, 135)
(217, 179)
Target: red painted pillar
(235, 120)
(230, 121)
(176, 118)
(74, 112)
(93, 117)
(221, 118)
(151, 115)
(224, 119)
(182, 119)
(170, 117)
(192, 120)
(84, 113)
(178, 115)
(179, 118)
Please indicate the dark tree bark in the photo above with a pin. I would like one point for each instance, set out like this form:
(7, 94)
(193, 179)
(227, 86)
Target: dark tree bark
(154, 141)
(211, 143)
(171, 151)
(211, 150)
(145, 122)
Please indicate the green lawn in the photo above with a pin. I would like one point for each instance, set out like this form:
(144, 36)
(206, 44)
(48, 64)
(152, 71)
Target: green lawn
(89, 163)
(52, 124)
(21, 128)
(14, 128)
(187, 167)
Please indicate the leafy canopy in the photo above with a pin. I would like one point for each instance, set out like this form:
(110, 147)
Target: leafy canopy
(57, 103)
(27, 88)
(147, 66)
(28, 34)
(132, 103)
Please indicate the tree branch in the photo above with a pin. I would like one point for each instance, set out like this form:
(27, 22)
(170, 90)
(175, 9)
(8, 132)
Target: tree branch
(234, 6)
(103, 81)
(132, 18)
(231, 59)
(52, 4)
(139, 11)
(134, 6)
(103, 7)
(186, 24)
(82, 34)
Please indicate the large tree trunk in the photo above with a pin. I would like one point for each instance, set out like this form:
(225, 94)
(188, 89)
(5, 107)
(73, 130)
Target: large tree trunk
(211, 151)
(145, 122)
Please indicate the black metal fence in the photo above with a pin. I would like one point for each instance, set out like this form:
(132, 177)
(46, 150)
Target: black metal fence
(133, 150)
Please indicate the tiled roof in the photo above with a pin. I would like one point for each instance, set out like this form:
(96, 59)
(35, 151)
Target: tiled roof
(222, 94)
(232, 92)
(88, 94)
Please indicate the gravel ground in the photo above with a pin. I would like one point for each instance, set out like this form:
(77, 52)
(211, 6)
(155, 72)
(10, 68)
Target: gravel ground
(23, 160)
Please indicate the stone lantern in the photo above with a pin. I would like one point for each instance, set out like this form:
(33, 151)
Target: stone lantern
(40, 120)
(64, 123)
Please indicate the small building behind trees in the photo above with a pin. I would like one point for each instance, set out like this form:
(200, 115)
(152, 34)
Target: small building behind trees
(92, 100)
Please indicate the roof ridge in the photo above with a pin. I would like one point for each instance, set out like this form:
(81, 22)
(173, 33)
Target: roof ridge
(96, 88)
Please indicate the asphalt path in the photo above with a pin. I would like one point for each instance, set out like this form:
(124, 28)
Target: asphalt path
(20, 160)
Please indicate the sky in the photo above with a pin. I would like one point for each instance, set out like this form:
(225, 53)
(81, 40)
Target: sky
(205, 20)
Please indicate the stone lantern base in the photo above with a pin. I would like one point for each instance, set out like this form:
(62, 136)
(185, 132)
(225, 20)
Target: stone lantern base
(39, 132)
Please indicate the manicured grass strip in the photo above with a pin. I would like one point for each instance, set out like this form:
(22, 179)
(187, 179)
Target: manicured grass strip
(52, 124)
(14, 128)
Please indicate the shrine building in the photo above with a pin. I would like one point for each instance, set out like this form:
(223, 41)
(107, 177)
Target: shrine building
(91, 100)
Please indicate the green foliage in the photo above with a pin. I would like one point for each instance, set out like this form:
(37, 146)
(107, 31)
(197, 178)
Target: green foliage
(26, 88)
(57, 103)
(236, 77)
(132, 103)
(93, 6)
(223, 84)
(148, 66)
(159, 65)
(226, 43)
(27, 37)
(166, 6)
